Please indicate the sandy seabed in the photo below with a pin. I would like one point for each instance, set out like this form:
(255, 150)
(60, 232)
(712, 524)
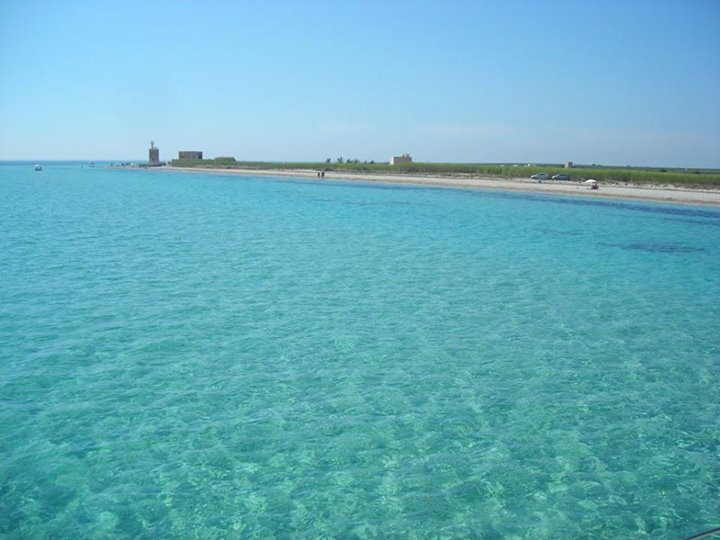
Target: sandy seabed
(645, 192)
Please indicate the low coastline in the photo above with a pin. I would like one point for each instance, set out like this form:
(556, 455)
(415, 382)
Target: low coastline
(651, 193)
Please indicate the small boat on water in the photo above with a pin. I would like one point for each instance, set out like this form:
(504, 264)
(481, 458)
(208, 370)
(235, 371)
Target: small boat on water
(37, 168)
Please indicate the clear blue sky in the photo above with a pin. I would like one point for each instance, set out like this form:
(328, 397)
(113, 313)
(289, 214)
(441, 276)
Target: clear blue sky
(613, 82)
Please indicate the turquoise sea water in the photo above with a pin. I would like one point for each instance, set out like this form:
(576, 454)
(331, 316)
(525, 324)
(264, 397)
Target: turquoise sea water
(199, 356)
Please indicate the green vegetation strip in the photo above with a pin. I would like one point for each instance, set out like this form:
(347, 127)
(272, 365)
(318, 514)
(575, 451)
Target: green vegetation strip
(694, 178)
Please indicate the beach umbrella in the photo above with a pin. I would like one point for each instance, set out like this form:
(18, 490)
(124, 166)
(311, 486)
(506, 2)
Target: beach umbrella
(591, 182)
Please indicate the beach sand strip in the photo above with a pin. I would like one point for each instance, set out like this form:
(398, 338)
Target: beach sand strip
(655, 193)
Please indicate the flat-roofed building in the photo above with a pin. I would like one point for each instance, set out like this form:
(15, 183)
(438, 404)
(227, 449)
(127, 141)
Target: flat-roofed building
(189, 154)
(405, 158)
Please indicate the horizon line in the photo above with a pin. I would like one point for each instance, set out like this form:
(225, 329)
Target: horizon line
(323, 162)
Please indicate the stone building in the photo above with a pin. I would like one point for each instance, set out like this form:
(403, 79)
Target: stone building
(153, 155)
(405, 158)
(190, 154)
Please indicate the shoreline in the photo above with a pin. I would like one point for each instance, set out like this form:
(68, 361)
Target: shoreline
(650, 193)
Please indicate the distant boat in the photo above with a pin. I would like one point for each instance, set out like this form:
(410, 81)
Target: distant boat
(37, 168)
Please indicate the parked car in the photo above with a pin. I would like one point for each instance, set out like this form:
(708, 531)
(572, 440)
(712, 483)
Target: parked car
(540, 176)
(561, 176)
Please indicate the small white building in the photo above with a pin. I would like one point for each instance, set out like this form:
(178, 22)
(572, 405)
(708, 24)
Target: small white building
(405, 158)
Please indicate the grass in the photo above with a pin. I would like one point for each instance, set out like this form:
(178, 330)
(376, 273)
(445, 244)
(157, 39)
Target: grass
(695, 178)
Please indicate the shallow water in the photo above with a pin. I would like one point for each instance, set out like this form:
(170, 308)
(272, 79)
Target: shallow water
(189, 355)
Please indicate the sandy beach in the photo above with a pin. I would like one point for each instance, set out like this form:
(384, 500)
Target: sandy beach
(653, 193)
